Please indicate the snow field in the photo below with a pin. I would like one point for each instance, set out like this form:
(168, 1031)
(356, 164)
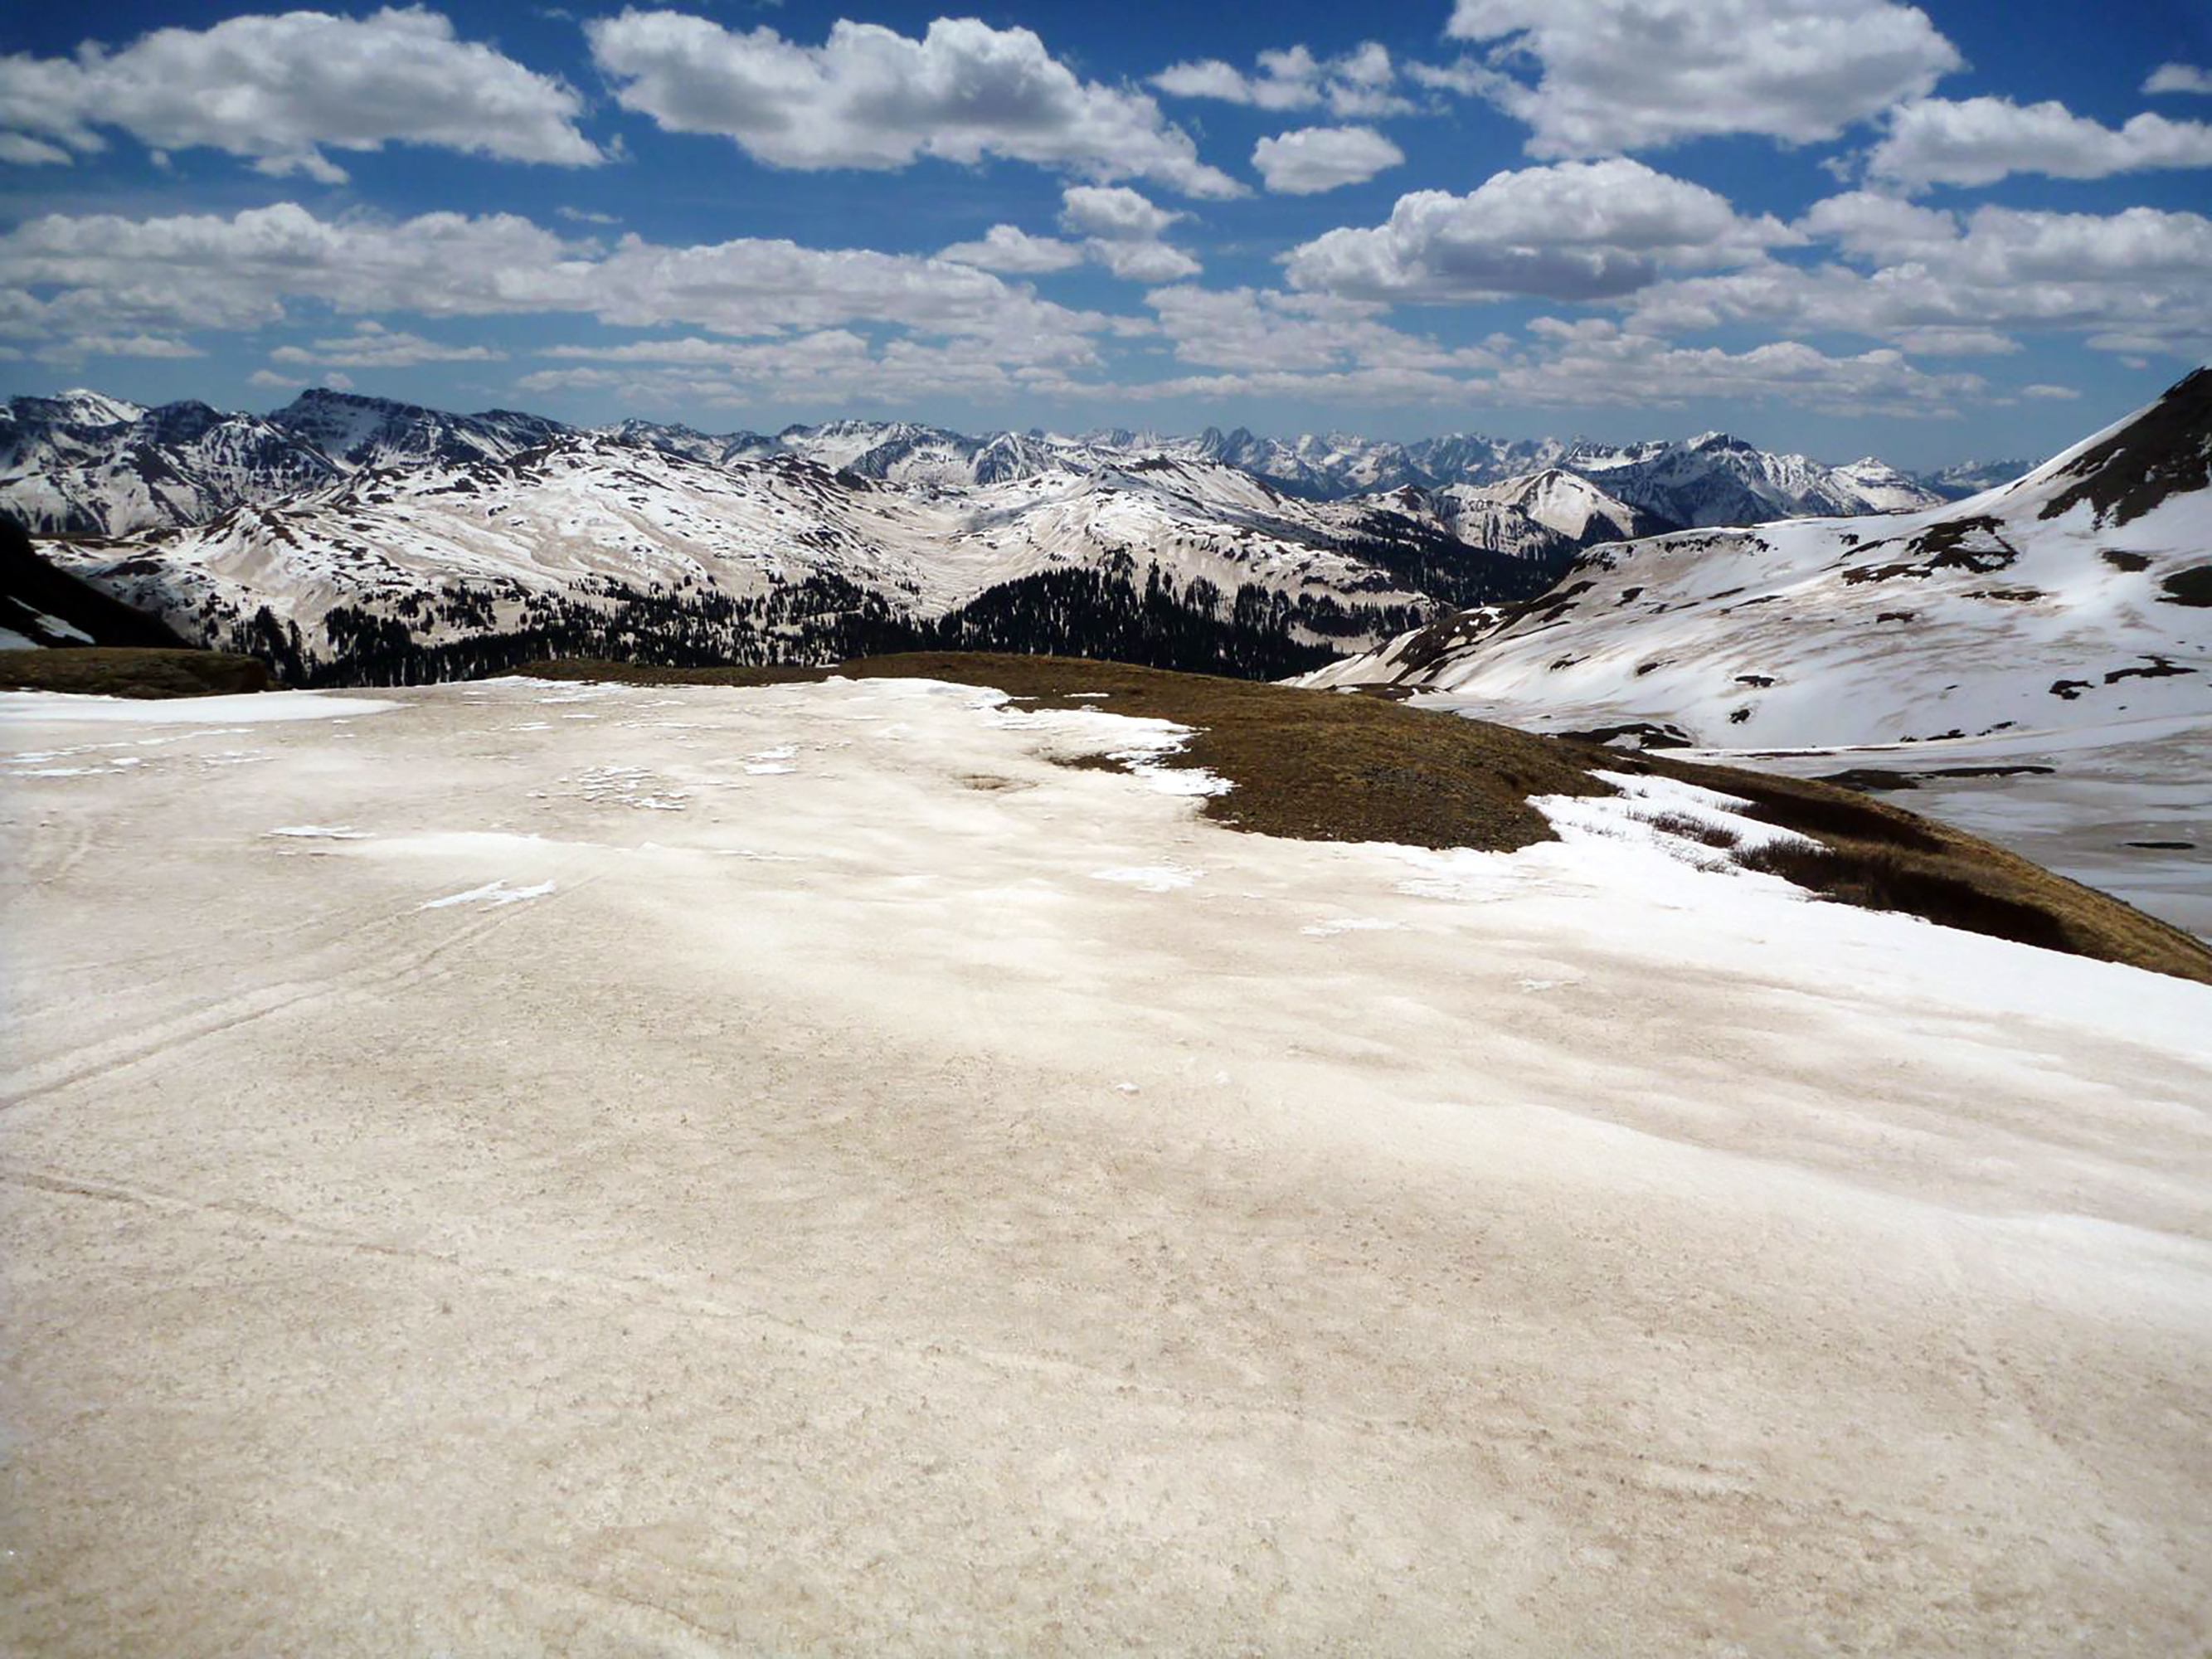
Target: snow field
(830, 1217)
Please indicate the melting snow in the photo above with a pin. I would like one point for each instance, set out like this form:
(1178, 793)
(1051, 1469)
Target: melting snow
(17, 708)
(1605, 1210)
(492, 893)
(1153, 877)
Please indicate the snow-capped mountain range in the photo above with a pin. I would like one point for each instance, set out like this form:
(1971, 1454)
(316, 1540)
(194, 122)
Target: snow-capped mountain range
(2079, 594)
(349, 536)
(81, 464)
(598, 542)
(84, 463)
(1524, 514)
(1716, 479)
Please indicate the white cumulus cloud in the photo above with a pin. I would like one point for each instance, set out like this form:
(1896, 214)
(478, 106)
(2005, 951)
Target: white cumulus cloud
(1010, 248)
(1598, 364)
(1575, 230)
(1121, 230)
(1146, 262)
(115, 345)
(371, 345)
(280, 90)
(65, 275)
(838, 363)
(1358, 84)
(1621, 75)
(1253, 328)
(1114, 213)
(1316, 159)
(22, 151)
(871, 98)
(1936, 280)
(1978, 141)
(2179, 77)
(1118, 229)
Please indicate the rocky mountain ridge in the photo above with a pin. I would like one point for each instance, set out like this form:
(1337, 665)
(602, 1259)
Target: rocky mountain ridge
(85, 464)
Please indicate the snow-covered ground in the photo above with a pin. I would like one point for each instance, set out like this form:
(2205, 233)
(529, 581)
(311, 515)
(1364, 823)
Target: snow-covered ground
(519, 1168)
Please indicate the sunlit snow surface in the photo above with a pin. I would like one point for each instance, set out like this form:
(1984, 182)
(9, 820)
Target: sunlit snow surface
(2125, 807)
(931, 1198)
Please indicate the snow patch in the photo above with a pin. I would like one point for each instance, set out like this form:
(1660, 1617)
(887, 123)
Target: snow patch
(1140, 742)
(1675, 817)
(628, 786)
(251, 707)
(494, 894)
(1153, 877)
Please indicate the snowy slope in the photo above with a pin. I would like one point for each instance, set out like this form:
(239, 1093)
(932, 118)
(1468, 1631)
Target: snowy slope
(42, 606)
(1198, 519)
(1713, 478)
(1710, 479)
(1956, 482)
(1328, 465)
(2125, 806)
(1870, 485)
(1470, 457)
(92, 464)
(86, 465)
(689, 442)
(2072, 597)
(42, 433)
(582, 516)
(518, 1168)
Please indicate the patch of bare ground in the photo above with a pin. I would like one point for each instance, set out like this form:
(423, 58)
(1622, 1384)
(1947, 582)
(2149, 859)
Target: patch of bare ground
(131, 671)
(1322, 766)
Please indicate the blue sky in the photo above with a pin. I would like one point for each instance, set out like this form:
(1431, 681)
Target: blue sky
(1842, 226)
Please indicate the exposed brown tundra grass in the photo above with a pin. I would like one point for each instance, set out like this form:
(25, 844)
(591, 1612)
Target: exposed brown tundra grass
(131, 671)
